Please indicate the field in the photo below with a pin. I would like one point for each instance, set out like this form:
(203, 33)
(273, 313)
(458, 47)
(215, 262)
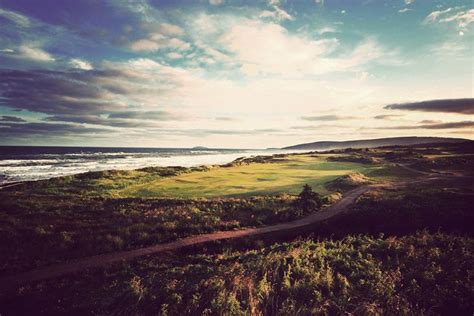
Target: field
(285, 176)
(401, 240)
(93, 213)
(254, 177)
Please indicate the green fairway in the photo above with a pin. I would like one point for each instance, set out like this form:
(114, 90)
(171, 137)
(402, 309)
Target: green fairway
(287, 176)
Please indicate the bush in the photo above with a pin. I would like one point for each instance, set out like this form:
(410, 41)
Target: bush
(308, 200)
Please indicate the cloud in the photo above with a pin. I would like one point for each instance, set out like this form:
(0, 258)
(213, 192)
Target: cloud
(100, 120)
(170, 29)
(433, 16)
(461, 18)
(18, 19)
(99, 96)
(430, 122)
(80, 64)
(147, 115)
(449, 125)
(157, 41)
(387, 116)
(449, 48)
(326, 30)
(34, 53)
(7, 118)
(276, 13)
(460, 106)
(320, 127)
(41, 130)
(216, 2)
(328, 118)
(404, 10)
(174, 55)
(210, 132)
(266, 48)
(144, 45)
(225, 118)
(54, 92)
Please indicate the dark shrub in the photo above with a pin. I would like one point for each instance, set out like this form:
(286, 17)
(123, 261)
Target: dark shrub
(308, 200)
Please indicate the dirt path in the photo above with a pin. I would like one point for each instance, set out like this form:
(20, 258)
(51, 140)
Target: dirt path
(8, 185)
(53, 271)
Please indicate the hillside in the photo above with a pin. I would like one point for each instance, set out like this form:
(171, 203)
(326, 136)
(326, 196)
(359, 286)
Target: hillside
(370, 143)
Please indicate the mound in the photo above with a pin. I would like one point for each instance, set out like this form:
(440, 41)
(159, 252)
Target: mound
(347, 182)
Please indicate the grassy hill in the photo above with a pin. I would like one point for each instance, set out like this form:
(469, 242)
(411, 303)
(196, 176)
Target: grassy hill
(371, 143)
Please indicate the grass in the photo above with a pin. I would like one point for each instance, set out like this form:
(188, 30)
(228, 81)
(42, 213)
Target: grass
(245, 180)
(390, 173)
(99, 212)
(419, 274)
(255, 177)
(399, 251)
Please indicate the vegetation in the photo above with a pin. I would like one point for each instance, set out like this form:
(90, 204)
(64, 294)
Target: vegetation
(76, 216)
(347, 182)
(402, 250)
(243, 178)
(308, 200)
(418, 274)
(39, 230)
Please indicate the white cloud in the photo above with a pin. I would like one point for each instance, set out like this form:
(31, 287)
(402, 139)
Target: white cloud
(269, 49)
(215, 2)
(177, 44)
(433, 16)
(144, 45)
(462, 19)
(282, 14)
(450, 48)
(265, 48)
(405, 10)
(34, 53)
(80, 64)
(158, 41)
(409, 1)
(19, 19)
(327, 29)
(276, 13)
(174, 55)
(170, 29)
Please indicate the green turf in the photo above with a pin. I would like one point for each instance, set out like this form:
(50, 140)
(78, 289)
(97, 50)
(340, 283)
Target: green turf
(245, 180)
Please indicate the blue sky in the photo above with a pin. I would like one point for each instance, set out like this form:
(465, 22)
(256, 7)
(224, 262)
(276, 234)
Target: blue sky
(225, 73)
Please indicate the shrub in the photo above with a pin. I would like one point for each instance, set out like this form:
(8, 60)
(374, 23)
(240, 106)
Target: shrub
(308, 200)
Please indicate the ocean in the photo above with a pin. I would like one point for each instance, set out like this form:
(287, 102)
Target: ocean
(25, 163)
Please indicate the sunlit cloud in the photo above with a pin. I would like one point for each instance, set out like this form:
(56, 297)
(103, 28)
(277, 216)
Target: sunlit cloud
(217, 69)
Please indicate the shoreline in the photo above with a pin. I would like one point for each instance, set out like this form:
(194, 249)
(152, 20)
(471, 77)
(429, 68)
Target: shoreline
(241, 158)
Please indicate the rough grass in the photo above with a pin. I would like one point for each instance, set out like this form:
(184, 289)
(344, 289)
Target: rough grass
(421, 274)
(390, 173)
(347, 182)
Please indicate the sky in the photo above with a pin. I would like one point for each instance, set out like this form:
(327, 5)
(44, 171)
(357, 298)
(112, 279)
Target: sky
(233, 74)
